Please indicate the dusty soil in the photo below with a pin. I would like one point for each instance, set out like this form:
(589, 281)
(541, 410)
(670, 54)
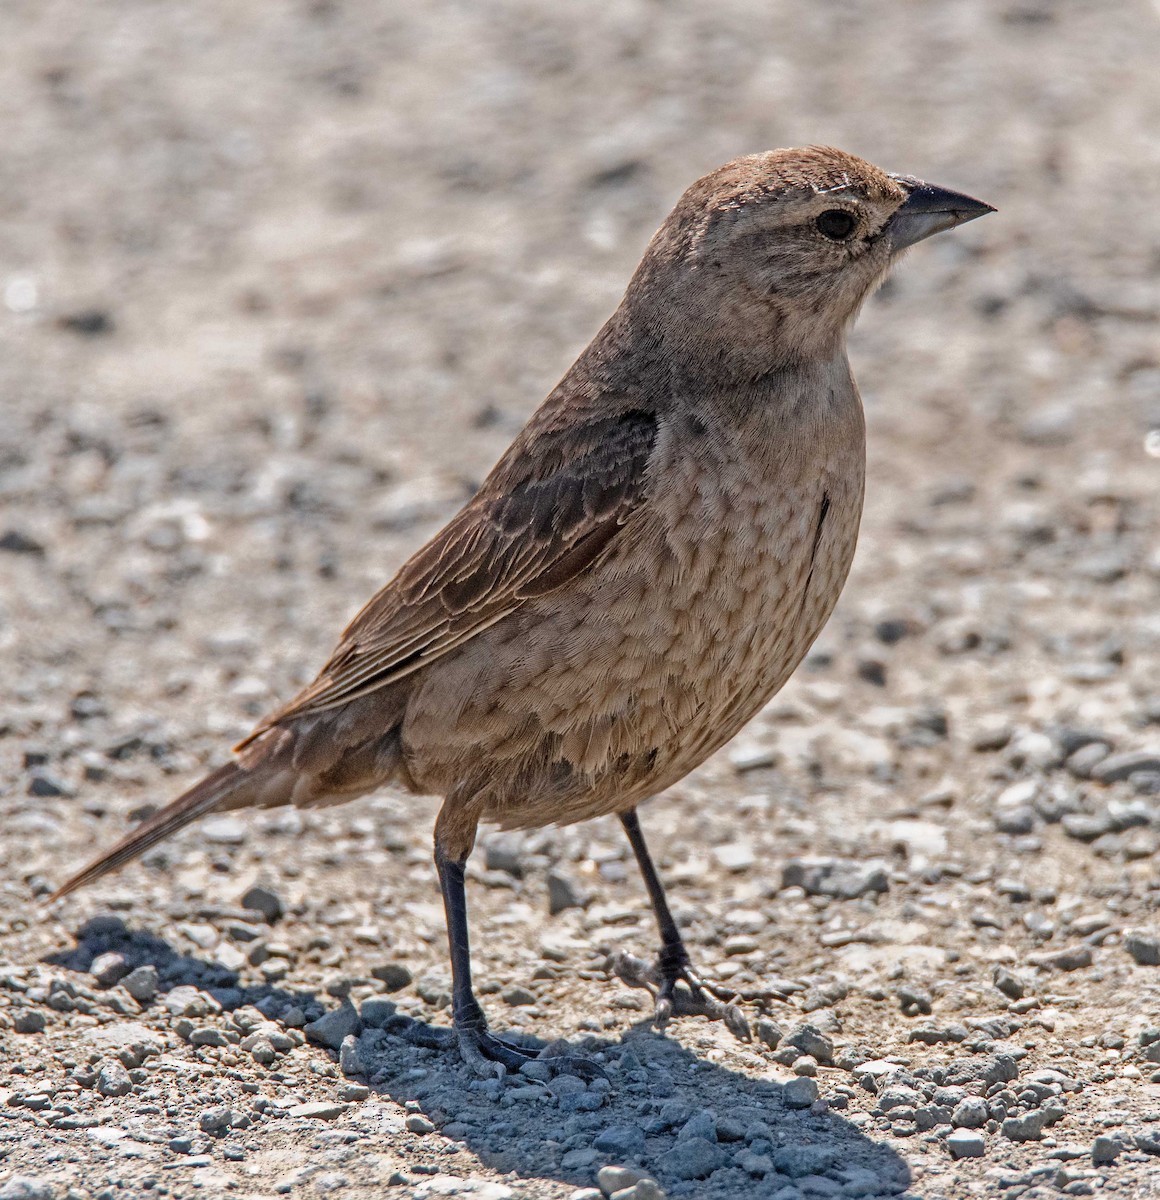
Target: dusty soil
(279, 283)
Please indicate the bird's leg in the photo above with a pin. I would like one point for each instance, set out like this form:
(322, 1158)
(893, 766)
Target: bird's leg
(673, 966)
(482, 1051)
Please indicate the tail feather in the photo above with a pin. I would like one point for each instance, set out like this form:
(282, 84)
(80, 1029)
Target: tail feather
(221, 788)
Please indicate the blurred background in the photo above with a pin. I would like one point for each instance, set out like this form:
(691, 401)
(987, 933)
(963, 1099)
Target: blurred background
(279, 282)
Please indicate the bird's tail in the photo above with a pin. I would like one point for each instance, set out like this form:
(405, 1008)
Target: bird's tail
(228, 786)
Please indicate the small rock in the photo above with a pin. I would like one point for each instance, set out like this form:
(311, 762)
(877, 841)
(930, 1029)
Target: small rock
(1144, 947)
(113, 1080)
(26, 1187)
(376, 1011)
(331, 1028)
(620, 1140)
(1148, 1142)
(615, 1179)
(736, 856)
(810, 1040)
(225, 831)
(1027, 1128)
(694, 1158)
(504, 852)
(108, 968)
(800, 1092)
(1116, 767)
(393, 976)
(141, 983)
(1008, 983)
(321, 1110)
(1086, 827)
(965, 1143)
(265, 902)
(16, 542)
(970, 1113)
(208, 1036)
(1073, 958)
(517, 996)
(215, 1120)
(844, 879)
(1083, 761)
(564, 893)
(262, 1051)
(29, 1020)
(1105, 1150)
(418, 1123)
(701, 1124)
(768, 1032)
(644, 1189)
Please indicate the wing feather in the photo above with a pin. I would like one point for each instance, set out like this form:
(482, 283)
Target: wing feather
(550, 507)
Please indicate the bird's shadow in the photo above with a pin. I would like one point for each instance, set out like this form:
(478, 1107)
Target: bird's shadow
(697, 1127)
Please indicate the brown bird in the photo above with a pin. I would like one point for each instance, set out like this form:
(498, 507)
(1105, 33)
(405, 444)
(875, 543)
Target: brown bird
(642, 570)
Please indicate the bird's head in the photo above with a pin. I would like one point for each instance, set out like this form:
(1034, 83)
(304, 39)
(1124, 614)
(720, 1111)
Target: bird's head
(779, 250)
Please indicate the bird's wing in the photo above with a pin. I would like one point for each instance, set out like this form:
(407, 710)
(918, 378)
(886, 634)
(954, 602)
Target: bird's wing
(551, 505)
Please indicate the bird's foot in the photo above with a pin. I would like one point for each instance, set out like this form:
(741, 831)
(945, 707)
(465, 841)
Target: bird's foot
(679, 991)
(490, 1056)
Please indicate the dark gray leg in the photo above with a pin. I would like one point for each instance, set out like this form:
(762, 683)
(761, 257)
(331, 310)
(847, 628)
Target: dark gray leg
(696, 998)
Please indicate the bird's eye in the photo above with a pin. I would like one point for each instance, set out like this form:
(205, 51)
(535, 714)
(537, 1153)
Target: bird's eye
(836, 223)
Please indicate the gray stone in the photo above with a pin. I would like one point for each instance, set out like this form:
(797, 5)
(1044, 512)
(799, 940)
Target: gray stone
(620, 1140)
(615, 1179)
(809, 1039)
(26, 1187)
(320, 1110)
(769, 1033)
(693, 1158)
(29, 1020)
(800, 1092)
(517, 996)
(215, 1120)
(964, 1143)
(224, 831)
(376, 1011)
(1105, 1150)
(208, 1036)
(701, 1124)
(264, 901)
(1086, 827)
(393, 976)
(1143, 946)
(563, 893)
(113, 1080)
(842, 878)
(802, 1158)
(333, 1027)
(1083, 761)
(141, 983)
(970, 1113)
(1027, 1128)
(418, 1123)
(1073, 958)
(108, 969)
(1122, 766)
(1009, 983)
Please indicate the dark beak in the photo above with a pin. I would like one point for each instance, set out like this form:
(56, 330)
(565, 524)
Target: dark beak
(928, 210)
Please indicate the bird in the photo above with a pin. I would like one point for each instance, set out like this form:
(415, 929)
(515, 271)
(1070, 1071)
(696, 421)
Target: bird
(642, 570)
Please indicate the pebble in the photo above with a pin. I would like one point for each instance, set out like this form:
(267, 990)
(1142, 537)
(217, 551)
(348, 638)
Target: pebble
(800, 1092)
(225, 831)
(108, 969)
(1027, 1128)
(620, 1140)
(26, 1187)
(113, 1080)
(393, 976)
(1143, 946)
(321, 1110)
(1105, 1150)
(216, 1119)
(735, 856)
(615, 1179)
(517, 996)
(331, 1028)
(1116, 767)
(809, 1039)
(964, 1143)
(970, 1113)
(141, 983)
(693, 1158)
(264, 901)
(841, 878)
(29, 1020)
(564, 893)
(1071, 959)
(1008, 983)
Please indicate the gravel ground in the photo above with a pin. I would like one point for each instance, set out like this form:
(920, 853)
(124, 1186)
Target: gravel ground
(279, 283)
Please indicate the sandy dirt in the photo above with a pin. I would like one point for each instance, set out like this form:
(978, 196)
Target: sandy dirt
(278, 284)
